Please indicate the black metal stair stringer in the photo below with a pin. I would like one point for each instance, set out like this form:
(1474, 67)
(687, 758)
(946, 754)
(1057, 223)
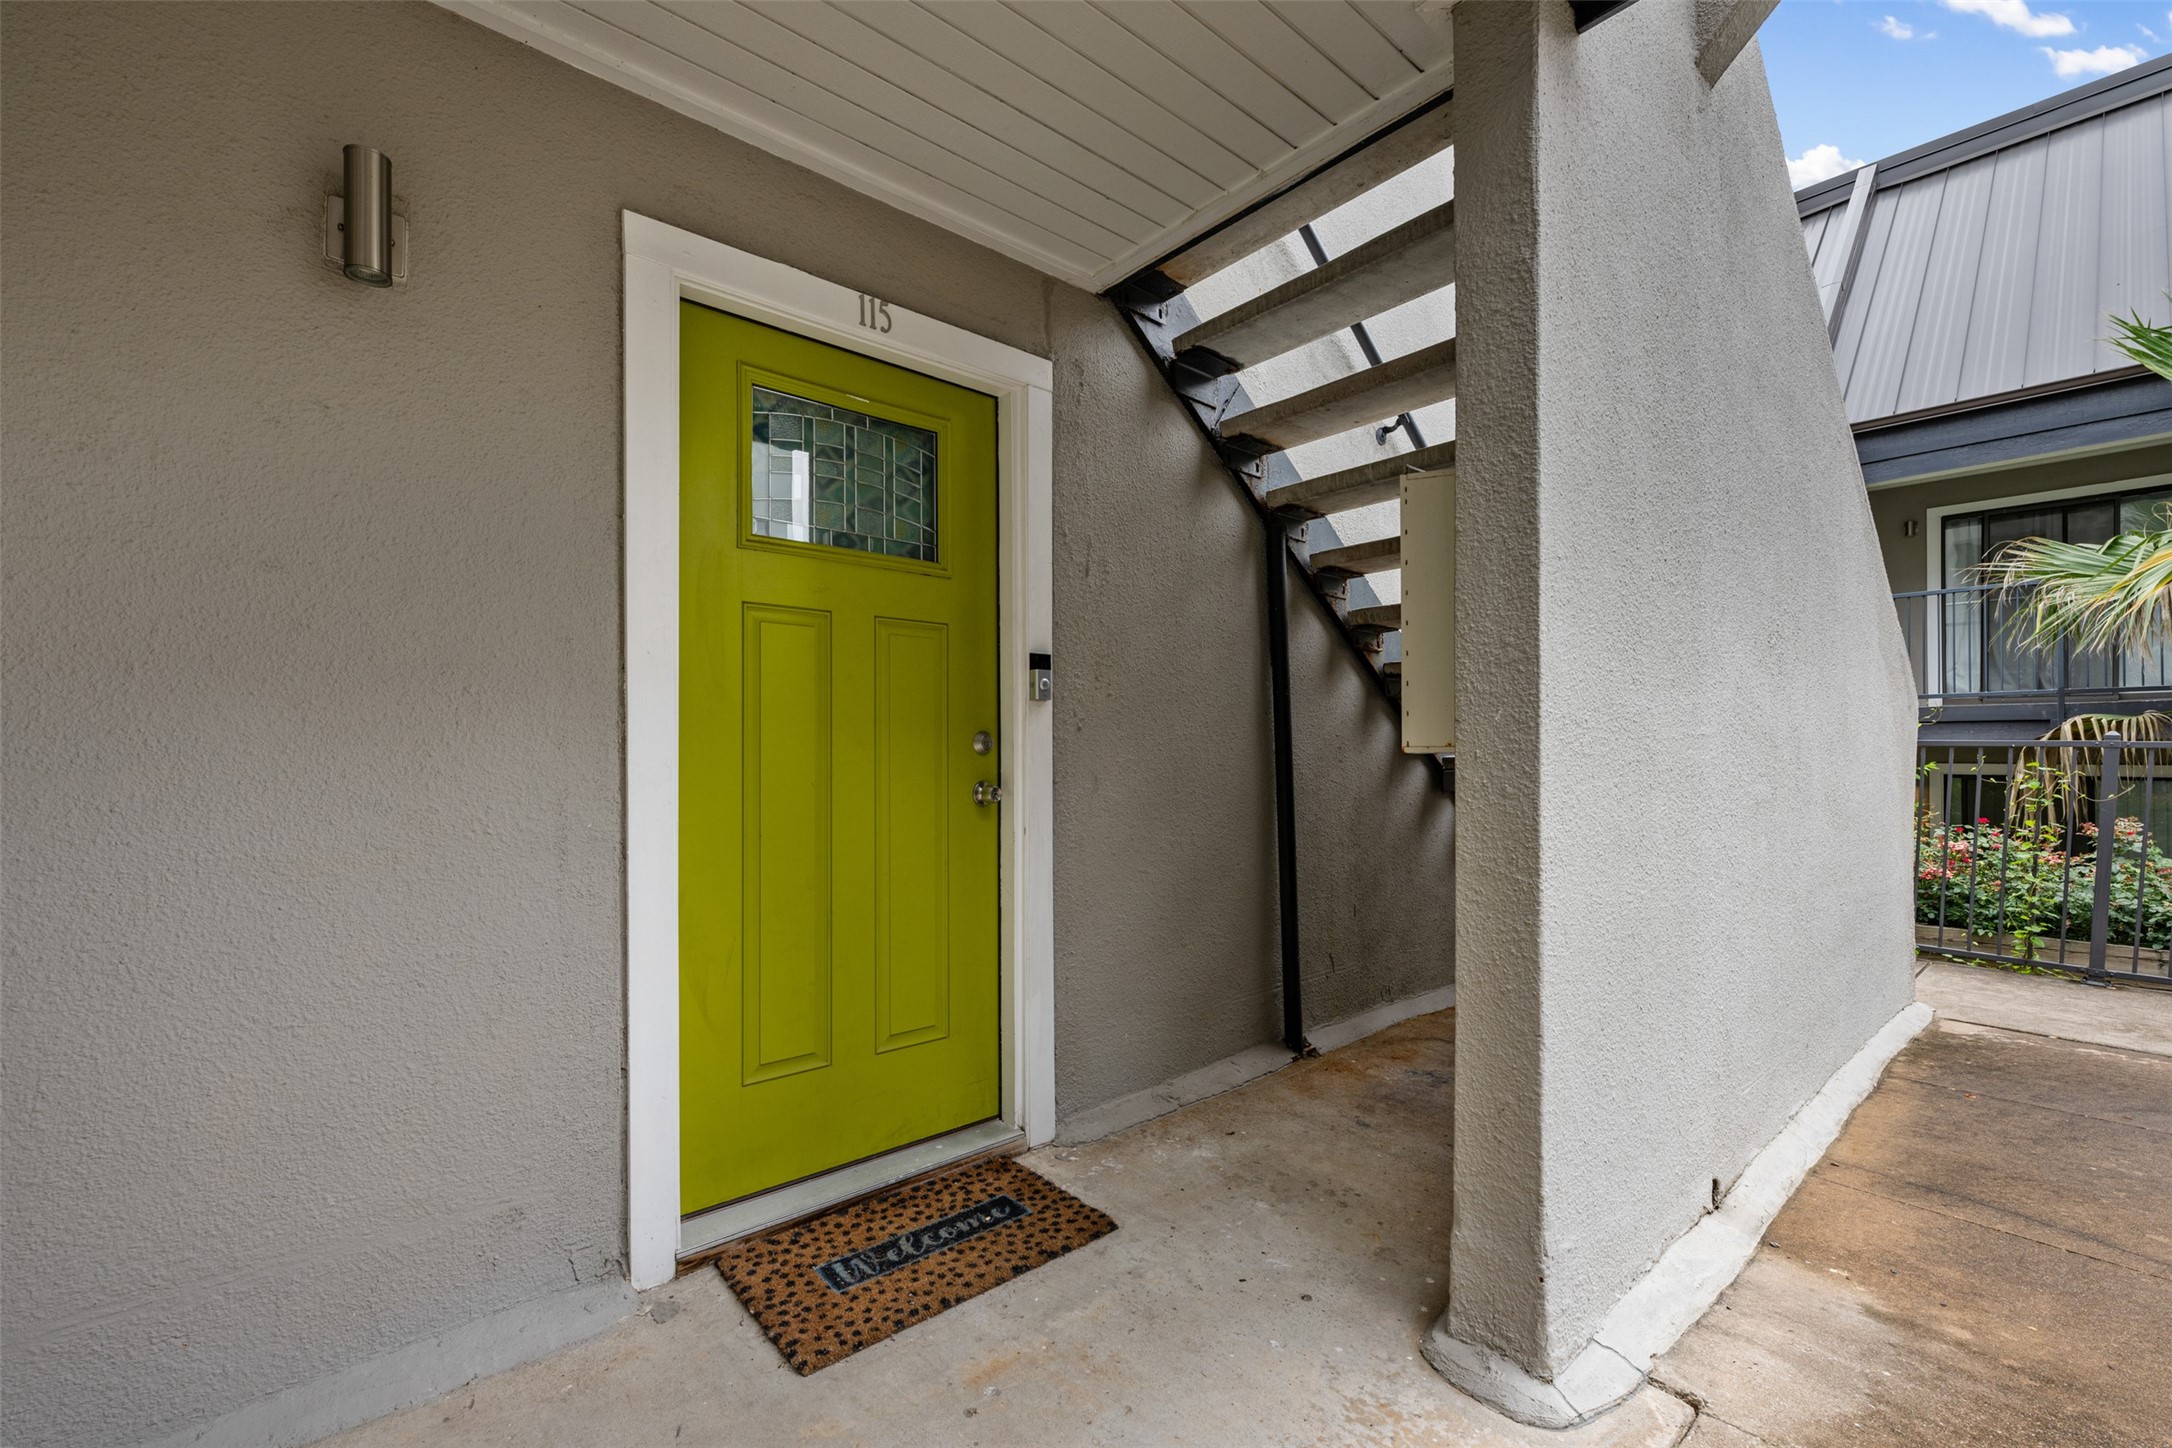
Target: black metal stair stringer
(1208, 400)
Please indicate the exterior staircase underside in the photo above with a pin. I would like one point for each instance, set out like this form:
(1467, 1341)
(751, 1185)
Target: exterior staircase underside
(1260, 308)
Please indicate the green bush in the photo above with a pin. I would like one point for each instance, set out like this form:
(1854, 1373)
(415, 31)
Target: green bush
(2034, 878)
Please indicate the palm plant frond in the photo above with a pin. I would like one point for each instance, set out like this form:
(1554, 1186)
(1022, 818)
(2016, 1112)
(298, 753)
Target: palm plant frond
(2144, 342)
(2045, 782)
(2103, 595)
(2149, 726)
(2115, 595)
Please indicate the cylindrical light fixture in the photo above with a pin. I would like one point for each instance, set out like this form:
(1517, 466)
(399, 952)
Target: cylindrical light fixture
(366, 253)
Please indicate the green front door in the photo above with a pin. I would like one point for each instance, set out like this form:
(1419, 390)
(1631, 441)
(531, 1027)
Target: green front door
(838, 706)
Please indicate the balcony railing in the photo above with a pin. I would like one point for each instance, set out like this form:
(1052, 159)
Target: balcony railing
(1966, 646)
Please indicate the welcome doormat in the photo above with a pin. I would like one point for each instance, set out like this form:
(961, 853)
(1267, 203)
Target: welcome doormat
(827, 1287)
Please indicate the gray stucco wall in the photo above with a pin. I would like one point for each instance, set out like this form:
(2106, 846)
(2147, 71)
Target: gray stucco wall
(1684, 868)
(313, 846)
(1906, 562)
(1165, 881)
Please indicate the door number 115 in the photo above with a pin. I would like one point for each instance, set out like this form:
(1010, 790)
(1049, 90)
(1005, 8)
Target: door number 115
(874, 313)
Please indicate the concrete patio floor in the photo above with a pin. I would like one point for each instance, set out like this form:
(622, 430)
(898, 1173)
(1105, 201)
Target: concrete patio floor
(1984, 1257)
(1280, 1250)
(1981, 1259)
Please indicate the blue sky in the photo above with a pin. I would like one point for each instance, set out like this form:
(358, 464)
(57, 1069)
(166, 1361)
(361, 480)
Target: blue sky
(1867, 78)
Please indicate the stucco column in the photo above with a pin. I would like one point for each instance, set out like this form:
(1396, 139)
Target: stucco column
(1497, 1237)
(1683, 769)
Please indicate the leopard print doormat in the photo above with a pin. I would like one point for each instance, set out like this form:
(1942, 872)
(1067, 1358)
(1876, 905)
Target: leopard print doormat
(825, 1288)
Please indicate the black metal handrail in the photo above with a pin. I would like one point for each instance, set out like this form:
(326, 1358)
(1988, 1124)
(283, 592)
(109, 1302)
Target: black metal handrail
(2047, 853)
(1969, 645)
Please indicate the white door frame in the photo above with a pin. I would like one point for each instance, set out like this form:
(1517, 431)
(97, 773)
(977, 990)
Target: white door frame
(664, 265)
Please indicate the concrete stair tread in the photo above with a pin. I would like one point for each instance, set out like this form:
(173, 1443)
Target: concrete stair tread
(1395, 267)
(1401, 384)
(1379, 481)
(1376, 556)
(1383, 616)
(1385, 156)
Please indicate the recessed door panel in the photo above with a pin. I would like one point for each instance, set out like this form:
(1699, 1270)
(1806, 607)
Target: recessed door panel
(789, 977)
(912, 834)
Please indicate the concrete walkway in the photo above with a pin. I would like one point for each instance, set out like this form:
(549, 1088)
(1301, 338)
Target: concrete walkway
(1281, 1249)
(2136, 1017)
(1985, 1256)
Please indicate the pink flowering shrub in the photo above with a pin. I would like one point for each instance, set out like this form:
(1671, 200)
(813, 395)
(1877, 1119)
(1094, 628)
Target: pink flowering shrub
(2035, 879)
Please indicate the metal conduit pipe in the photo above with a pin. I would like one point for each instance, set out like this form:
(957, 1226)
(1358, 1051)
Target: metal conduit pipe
(1277, 557)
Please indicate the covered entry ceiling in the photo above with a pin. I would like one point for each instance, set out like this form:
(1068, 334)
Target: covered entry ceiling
(1083, 138)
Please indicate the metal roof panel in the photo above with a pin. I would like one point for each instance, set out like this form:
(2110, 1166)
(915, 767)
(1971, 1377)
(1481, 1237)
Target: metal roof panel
(1931, 372)
(2134, 263)
(1813, 232)
(1994, 258)
(2063, 322)
(1998, 325)
(1848, 341)
(1890, 320)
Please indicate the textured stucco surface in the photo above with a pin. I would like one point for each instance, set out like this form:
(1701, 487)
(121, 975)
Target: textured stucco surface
(314, 971)
(1689, 744)
(1165, 854)
(1375, 836)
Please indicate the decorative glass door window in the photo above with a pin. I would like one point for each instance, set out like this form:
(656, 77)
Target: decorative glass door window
(829, 475)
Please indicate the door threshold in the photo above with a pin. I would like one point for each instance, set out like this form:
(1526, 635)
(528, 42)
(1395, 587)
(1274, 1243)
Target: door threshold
(703, 1233)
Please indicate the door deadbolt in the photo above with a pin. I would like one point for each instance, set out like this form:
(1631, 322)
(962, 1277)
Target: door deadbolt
(982, 743)
(985, 793)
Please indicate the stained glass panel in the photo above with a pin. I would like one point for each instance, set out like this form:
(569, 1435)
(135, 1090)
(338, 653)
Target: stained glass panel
(830, 475)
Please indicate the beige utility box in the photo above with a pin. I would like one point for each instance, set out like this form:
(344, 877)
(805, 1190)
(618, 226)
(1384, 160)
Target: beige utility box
(1429, 612)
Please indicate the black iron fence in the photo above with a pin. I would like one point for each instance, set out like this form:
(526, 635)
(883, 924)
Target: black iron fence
(1963, 646)
(2047, 853)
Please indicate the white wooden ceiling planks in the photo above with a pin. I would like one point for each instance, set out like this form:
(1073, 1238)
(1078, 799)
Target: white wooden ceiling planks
(1086, 138)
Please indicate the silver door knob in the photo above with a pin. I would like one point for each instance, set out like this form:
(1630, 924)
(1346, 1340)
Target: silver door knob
(986, 793)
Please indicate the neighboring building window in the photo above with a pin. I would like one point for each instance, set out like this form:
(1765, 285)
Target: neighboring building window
(1981, 652)
(1971, 538)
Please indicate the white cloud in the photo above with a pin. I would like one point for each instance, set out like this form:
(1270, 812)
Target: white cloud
(1819, 163)
(2138, 25)
(1900, 29)
(2102, 61)
(2014, 15)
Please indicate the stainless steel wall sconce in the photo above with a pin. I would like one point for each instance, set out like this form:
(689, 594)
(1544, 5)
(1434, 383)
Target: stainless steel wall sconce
(362, 236)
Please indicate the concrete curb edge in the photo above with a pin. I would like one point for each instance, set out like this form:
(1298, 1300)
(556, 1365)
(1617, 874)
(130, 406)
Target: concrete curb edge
(1690, 1275)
